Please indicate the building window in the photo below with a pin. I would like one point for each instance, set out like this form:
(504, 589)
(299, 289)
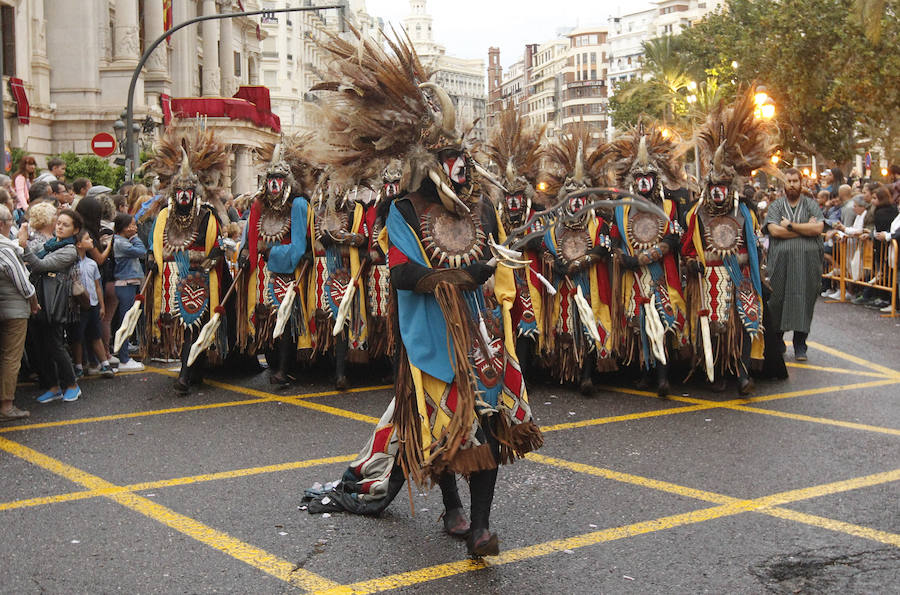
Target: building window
(270, 77)
(237, 64)
(7, 22)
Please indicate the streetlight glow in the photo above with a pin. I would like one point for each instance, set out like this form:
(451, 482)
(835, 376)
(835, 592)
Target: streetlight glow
(775, 159)
(806, 172)
(767, 111)
(691, 99)
(665, 133)
(692, 85)
(884, 172)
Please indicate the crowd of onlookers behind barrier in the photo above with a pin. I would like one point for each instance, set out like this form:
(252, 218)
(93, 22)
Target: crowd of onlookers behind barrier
(72, 258)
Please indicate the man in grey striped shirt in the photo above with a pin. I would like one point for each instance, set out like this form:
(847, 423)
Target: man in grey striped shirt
(17, 303)
(794, 223)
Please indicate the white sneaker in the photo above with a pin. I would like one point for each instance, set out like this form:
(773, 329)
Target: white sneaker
(834, 295)
(92, 371)
(131, 365)
(114, 362)
(887, 309)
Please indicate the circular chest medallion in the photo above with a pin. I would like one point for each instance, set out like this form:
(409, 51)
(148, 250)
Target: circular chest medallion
(334, 223)
(273, 225)
(451, 240)
(573, 244)
(177, 238)
(645, 230)
(723, 235)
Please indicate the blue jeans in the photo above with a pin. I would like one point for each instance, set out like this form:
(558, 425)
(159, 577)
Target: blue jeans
(126, 294)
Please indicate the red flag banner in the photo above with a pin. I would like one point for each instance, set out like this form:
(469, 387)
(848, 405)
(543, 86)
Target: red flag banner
(23, 110)
(167, 17)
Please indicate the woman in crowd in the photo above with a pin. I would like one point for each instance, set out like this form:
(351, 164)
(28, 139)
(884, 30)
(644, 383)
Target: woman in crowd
(22, 180)
(52, 266)
(17, 303)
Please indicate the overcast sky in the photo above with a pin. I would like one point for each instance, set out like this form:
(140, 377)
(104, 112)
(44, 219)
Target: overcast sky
(467, 28)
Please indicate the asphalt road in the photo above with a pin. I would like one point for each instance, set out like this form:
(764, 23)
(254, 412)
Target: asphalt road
(795, 490)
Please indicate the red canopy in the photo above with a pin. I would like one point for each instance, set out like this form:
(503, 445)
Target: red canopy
(250, 103)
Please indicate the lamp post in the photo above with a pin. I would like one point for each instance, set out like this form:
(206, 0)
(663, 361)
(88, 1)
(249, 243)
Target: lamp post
(131, 150)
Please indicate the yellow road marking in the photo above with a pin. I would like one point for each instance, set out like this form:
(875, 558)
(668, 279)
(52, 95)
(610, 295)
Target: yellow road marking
(853, 359)
(818, 420)
(117, 416)
(637, 480)
(177, 481)
(407, 579)
(616, 418)
(836, 370)
(256, 557)
(812, 391)
(837, 526)
(332, 410)
(729, 507)
(180, 481)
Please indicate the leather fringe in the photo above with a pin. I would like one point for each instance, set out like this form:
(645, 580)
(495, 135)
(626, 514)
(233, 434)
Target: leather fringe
(379, 337)
(516, 440)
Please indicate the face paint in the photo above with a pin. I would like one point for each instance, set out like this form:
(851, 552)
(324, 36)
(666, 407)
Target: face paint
(718, 192)
(645, 183)
(576, 204)
(391, 189)
(455, 168)
(275, 185)
(514, 203)
(184, 197)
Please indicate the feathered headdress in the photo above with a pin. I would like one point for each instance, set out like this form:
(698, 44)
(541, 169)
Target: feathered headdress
(206, 155)
(379, 110)
(733, 141)
(571, 163)
(517, 151)
(645, 149)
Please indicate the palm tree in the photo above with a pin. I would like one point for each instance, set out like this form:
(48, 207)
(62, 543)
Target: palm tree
(870, 13)
(668, 72)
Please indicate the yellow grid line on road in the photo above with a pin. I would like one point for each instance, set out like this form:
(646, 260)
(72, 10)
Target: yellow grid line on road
(728, 506)
(837, 370)
(853, 359)
(627, 417)
(177, 481)
(249, 554)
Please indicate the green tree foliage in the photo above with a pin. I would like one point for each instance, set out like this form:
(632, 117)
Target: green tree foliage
(631, 99)
(829, 80)
(97, 170)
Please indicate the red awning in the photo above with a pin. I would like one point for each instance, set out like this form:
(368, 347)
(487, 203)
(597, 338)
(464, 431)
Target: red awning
(249, 103)
(17, 87)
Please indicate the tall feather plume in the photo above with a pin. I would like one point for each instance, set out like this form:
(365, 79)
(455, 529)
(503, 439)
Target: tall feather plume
(745, 141)
(207, 155)
(376, 109)
(514, 147)
(560, 159)
(661, 151)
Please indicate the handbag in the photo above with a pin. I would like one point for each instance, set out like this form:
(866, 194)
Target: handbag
(80, 294)
(53, 296)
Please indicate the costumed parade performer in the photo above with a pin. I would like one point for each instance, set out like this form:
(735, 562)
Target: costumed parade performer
(272, 248)
(654, 318)
(579, 324)
(186, 265)
(378, 286)
(339, 259)
(460, 403)
(516, 152)
(724, 284)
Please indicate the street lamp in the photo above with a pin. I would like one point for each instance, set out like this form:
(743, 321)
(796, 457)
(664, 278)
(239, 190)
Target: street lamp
(119, 130)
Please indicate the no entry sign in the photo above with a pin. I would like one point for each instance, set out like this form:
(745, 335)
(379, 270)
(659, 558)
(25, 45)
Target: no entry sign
(103, 144)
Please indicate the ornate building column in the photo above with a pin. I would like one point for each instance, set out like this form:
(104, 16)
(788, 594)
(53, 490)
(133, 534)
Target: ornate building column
(226, 49)
(210, 32)
(153, 28)
(127, 40)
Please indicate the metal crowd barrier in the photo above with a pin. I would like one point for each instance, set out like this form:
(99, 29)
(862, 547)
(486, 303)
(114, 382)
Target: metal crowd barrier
(861, 262)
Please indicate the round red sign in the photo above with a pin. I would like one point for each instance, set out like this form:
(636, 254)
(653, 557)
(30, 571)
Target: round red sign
(103, 144)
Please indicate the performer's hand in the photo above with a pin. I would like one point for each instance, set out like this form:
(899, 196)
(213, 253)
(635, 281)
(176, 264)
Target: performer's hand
(629, 262)
(358, 239)
(243, 261)
(694, 266)
(151, 266)
(480, 271)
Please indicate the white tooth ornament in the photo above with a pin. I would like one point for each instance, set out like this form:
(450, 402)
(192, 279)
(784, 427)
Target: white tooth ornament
(346, 301)
(129, 321)
(707, 340)
(655, 330)
(204, 338)
(550, 289)
(284, 310)
(587, 315)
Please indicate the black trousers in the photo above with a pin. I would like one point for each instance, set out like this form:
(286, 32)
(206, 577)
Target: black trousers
(55, 367)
